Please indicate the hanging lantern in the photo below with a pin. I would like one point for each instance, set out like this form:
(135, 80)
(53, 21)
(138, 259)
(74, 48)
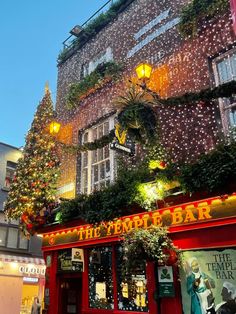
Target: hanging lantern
(54, 127)
(143, 71)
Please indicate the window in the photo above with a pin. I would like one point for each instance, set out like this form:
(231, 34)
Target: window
(100, 278)
(102, 57)
(225, 71)
(132, 291)
(105, 263)
(10, 237)
(10, 170)
(97, 165)
(3, 235)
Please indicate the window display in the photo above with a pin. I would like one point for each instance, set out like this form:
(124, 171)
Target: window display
(100, 278)
(132, 290)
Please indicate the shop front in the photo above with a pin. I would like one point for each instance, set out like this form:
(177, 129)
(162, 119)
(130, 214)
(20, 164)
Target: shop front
(84, 263)
(21, 279)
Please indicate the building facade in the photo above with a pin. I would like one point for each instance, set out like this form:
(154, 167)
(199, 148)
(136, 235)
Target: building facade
(22, 270)
(144, 31)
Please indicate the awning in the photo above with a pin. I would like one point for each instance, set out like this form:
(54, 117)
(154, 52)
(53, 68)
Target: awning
(22, 259)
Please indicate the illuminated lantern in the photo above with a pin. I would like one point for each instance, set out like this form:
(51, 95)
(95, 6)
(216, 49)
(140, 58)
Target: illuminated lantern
(143, 71)
(54, 127)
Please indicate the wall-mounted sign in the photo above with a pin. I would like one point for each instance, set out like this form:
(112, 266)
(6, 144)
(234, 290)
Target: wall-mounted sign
(165, 281)
(32, 270)
(182, 215)
(208, 281)
(30, 279)
(70, 262)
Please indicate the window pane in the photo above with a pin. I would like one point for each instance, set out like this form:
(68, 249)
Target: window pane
(132, 291)
(233, 64)
(106, 152)
(23, 243)
(95, 173)
(102, 171)
(100, 278)
(3, 232)
(85, 159)
(100, 154)
(85, 137)
(12, 238)
(95, 134)
(107, 168)
(232, 117)
(224, 71)
(106, 128)
(100, 131)
(95, 156)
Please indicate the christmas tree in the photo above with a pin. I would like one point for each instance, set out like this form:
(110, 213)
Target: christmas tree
(32, 192)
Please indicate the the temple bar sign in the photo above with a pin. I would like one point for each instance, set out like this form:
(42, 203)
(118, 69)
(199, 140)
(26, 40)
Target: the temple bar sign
(191, 213)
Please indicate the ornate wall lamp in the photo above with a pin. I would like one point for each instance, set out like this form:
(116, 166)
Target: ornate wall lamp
(54, 127)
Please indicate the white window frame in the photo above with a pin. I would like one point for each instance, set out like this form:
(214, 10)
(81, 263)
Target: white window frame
(90, 183)
(12, 170)
(225, 104)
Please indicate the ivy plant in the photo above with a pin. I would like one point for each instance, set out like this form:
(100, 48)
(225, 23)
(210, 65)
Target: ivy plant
(96, 79)
(193, 15)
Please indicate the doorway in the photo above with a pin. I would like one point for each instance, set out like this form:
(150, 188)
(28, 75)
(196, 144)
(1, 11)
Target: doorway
(70, 295)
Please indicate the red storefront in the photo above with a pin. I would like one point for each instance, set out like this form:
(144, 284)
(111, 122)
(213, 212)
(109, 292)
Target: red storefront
(83, 273)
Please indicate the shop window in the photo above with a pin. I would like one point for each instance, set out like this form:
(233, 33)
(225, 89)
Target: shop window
(10, 170)
(3, 234)
(100, 278)
(97, 166)
(132, 290)
(225, 71)
(12, 238)
(23, 243)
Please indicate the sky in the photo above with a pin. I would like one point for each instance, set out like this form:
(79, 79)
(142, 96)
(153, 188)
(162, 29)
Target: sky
(31, 36)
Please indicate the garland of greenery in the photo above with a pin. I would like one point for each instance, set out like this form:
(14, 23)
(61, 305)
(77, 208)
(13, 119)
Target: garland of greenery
(103, 73)
(93, 27)
(194, 13)
(99, 143)
(213, 172)
(206, 95)
(139, 118)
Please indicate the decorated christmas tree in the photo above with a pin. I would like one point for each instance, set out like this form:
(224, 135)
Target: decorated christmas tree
(32, 193)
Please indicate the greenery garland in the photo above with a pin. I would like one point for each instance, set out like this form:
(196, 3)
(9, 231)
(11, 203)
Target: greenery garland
(138, 110)
(214, 172)
(206, 95)
(98, 143)
(194, 13)
(102, 74)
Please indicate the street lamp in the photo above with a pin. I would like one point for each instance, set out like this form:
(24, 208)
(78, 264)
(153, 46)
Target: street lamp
(54, 127)
(144, 71)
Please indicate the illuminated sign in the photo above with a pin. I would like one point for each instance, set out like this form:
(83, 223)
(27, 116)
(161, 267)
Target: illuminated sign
(186, 214)
(30, 279)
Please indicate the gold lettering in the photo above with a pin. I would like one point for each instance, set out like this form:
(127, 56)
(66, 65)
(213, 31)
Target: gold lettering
(157, 219)
(127, 225)
(117, 227)
(81, 234)
(204, 213)
(189, 216)
(177, 217)
(138, 222)
(145, 221)
(89, 233)
(109, 231)
(97, 232)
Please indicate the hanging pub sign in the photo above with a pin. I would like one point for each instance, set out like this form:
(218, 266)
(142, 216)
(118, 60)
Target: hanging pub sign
(121, 143)
(165, 281)
(71, 260)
